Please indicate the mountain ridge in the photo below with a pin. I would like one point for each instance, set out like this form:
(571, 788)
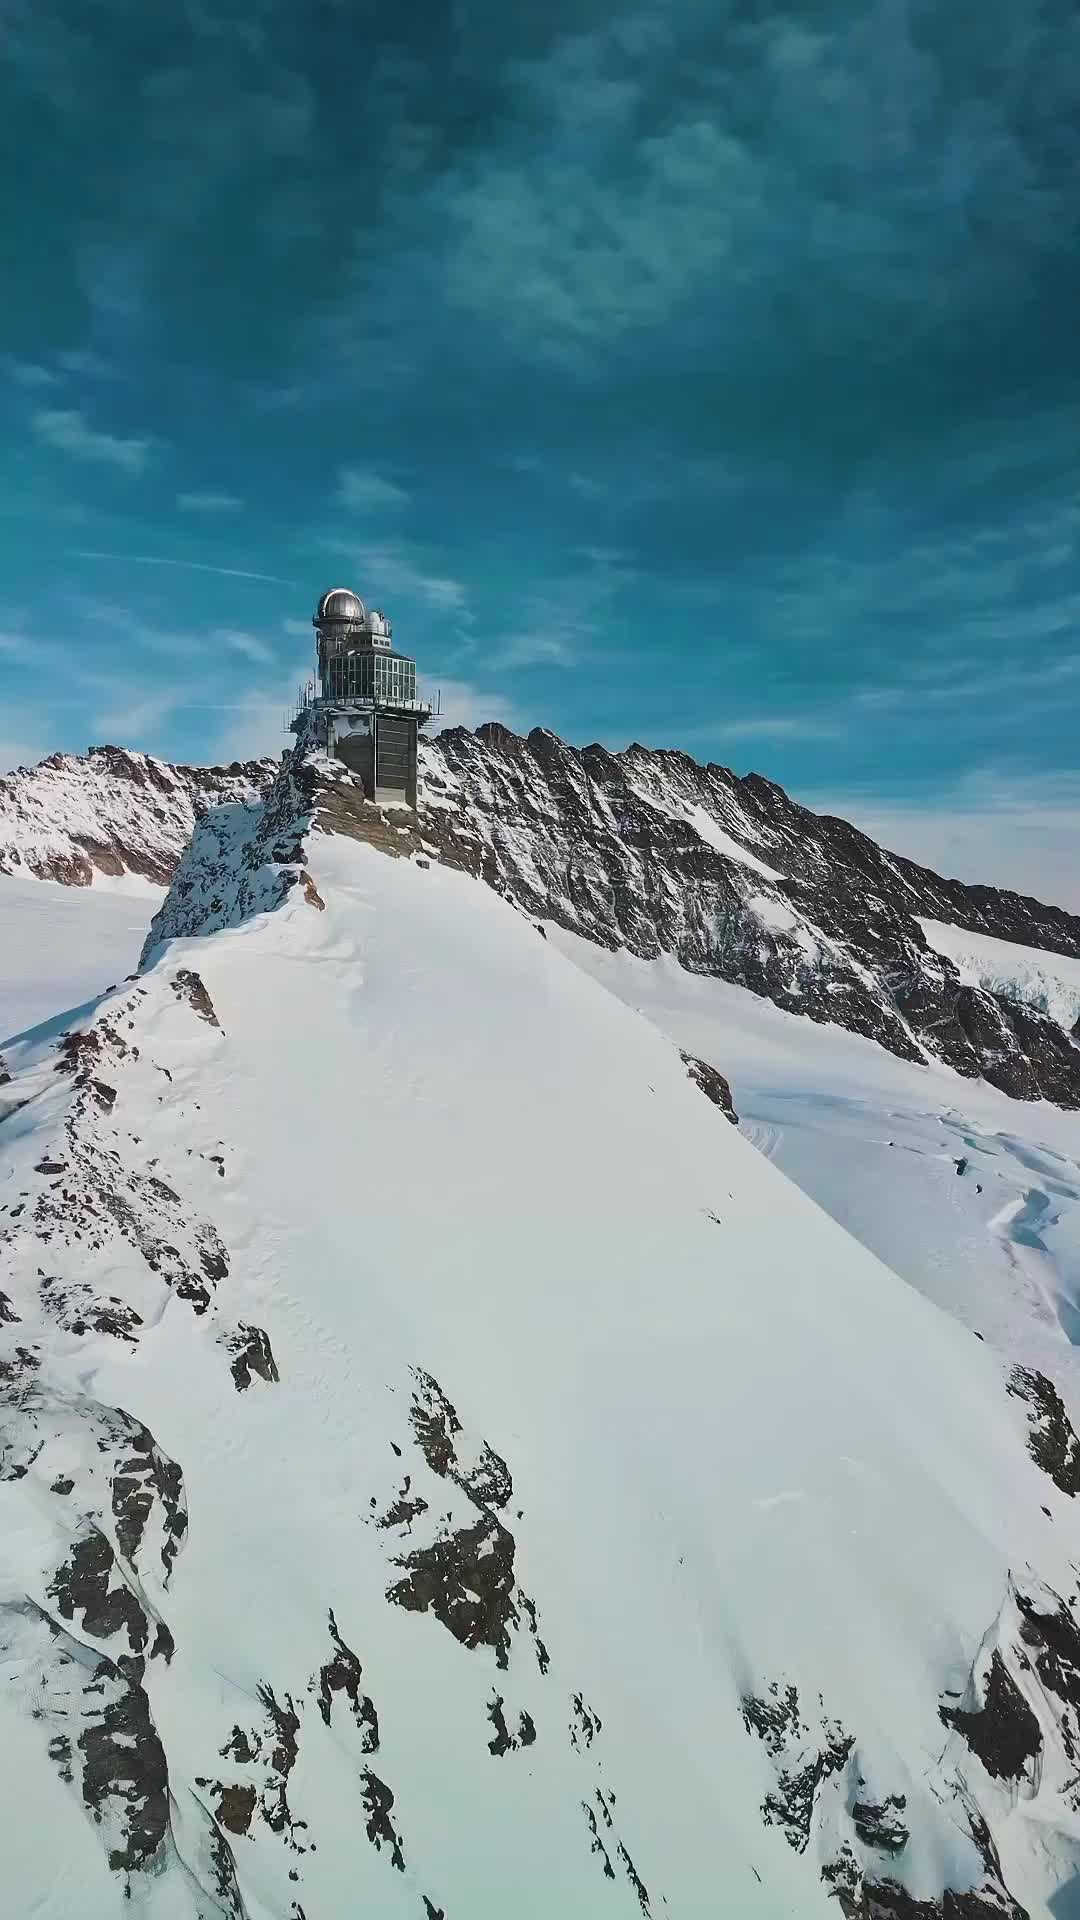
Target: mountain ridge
(448, 1470)
(112, 811)
(646, 850)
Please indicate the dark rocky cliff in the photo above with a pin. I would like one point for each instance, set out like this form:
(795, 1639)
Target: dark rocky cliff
(652, 852)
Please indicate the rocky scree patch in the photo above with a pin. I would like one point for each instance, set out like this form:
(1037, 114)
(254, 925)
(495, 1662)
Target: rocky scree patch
(98, 1190)
(816, 1764)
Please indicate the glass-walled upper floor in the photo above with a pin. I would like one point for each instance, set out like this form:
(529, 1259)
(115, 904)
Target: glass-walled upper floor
(366, 675)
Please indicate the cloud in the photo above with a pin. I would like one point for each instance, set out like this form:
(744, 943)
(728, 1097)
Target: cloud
(957, 551)
(228, 91)
(21, 740)
(141, 633)
(395, 572)
(247, 644)
(111, 275)
(555, 646)
(163, 641)
(573, 253)
(20, 648)
(131, 723)
(165, 560)
(466, 705)
(44, 54)
(208, 502)
(28, 374)
(994, 827)
(87, 364)
(284, 398)
(362, 490)
(569, 618)
(788, 181)
(16, 751)
(254, 725)
(779, 726)
(67, 430)
(610, 562)
(16, 647)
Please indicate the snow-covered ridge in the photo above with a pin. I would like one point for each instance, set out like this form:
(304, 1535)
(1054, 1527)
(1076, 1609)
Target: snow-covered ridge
(641, 850)
(446, 1471)
(79, 818)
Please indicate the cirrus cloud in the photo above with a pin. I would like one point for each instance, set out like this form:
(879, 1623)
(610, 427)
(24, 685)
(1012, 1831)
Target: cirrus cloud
(67, 430)
(208, 502)
(362, 490)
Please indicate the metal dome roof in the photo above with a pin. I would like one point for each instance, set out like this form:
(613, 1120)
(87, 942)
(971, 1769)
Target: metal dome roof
(340, 603)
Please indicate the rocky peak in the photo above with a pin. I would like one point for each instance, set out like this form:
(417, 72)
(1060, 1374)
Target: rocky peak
(650, 851)
(653, 853)
(110, 812)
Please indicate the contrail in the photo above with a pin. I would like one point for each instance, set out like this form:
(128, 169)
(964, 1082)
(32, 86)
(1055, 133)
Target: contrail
(193, 566)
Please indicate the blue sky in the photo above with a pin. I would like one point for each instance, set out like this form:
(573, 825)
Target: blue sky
(707, 375)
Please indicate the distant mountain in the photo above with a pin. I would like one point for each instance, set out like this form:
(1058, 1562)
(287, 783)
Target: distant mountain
(447, 1471)
(653, 853)
(646, 851)
(74, 817)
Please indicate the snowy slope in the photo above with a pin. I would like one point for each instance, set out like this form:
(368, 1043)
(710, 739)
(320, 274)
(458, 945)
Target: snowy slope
(1047, 982)
(61, 945)
(447, 1471)
(972, 1197)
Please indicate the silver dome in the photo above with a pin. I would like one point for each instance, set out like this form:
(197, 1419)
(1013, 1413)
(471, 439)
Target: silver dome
(339, 603)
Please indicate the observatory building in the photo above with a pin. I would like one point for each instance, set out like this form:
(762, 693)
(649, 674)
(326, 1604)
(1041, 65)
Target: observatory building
(364, 707)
